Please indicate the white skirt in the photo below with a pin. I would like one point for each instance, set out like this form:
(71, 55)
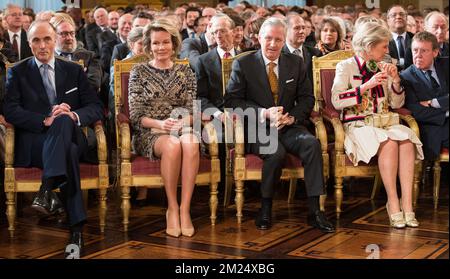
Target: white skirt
(362, 142)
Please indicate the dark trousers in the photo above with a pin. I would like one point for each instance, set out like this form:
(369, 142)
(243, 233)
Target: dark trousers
(299, 142)
(57, 152)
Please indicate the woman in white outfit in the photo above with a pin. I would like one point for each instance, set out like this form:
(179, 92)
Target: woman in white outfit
(365, 87)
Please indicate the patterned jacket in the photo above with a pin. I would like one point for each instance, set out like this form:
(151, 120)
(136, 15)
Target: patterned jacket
(354, 104)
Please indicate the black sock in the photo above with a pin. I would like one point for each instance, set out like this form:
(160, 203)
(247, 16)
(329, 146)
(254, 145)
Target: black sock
(53, 182)
(78, 227)
(313, 204)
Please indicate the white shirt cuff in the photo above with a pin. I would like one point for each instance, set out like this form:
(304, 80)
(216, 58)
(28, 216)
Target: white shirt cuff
(78, 118)
(435, 103)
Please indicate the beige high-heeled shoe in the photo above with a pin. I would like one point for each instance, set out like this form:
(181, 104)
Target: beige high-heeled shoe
(410, 220)
(189, 232)
(174, 232)
(396, 220)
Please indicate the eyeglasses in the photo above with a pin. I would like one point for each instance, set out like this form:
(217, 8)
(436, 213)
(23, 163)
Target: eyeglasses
(66, 33)
(394, 15)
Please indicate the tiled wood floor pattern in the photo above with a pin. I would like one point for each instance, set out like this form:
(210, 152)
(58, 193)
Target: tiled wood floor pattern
(362, 223)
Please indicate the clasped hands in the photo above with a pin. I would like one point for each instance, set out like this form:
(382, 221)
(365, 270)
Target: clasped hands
(277, 118)
(379, 78)
(58, 110)
(174, 125)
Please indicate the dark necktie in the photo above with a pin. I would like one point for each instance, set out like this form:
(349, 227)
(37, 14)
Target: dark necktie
(401, 47)
(15, 45)
(298, 52)
(434, 83)
(51, 94)
(273, 81)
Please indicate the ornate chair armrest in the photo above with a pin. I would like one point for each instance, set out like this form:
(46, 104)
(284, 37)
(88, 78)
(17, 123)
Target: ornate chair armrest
(101, 142)
(321, 132)
(212, 140)
(9, 145)
(410, 122)
(239, 137)
(125, 136)
(332, 116)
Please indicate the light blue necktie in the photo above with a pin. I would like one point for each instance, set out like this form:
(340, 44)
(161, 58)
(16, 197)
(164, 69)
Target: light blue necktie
(51, 93)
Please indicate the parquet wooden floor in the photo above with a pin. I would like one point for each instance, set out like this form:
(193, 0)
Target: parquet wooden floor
(362, 226)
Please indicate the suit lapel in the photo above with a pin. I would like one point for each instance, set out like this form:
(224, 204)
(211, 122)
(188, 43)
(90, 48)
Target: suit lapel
(441, 75)
(306, 55)
(393, 49)
(421, 76)
(264, 80)
(36, 81)
(60, 77)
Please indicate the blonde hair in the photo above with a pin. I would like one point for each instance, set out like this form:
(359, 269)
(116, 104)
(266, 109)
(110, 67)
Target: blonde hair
(369, 34)
(59, 18)
(161, 24)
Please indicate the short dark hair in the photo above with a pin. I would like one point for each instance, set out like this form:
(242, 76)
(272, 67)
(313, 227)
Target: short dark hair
(238, 21)
(193, 9)
(425, 36)
(197, 20)
(143, 15)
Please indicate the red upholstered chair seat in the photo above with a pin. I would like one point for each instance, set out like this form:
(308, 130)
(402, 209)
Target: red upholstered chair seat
(143, 166)
(253, 162)
(86, 171)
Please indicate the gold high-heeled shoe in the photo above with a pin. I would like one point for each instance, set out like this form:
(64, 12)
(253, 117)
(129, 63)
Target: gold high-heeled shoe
(396, 220)
(410, 220)
(174, 232)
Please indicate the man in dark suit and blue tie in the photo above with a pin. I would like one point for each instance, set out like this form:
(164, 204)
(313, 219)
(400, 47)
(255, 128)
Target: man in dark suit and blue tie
(427, 90)
(47, 100)
(400, 44)
(277, 89)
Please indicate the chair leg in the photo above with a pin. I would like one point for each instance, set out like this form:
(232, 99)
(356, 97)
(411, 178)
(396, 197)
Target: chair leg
(436, 182)
(376, 186)
(213, 202)
(228, 188)
(339, 195)
(239, 200)
(102, 209)
(11, 212)
(292, 190)
(125, 206)
(322, 200)
(416, 181)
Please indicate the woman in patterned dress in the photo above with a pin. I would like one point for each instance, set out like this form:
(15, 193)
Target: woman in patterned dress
(161, 95)
(365, 85)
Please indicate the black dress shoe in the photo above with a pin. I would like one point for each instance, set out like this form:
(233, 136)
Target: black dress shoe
(47, 202)
(76, 238)
(319, 220)
(264, 219)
